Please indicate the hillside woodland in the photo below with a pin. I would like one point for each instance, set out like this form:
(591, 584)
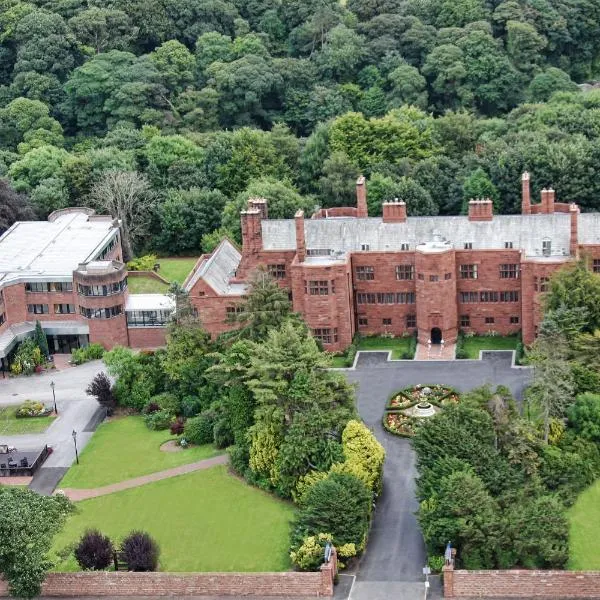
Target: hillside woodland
(187, 108)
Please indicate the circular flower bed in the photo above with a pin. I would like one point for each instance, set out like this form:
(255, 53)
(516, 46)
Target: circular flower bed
(408, 407)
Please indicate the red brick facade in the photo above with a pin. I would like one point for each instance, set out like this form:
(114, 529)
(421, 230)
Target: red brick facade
(92, 298)
(558, 585)
(428, 286)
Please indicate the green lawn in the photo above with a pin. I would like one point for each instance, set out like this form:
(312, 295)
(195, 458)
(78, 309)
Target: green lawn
(397, 345)
(176, 269)
(146, 285)
(338, 362)
(10, 425)
(584, 531)
(125, 448)
(202, 521)
(476, 343)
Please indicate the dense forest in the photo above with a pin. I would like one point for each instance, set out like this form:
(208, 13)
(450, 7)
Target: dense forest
(171, 113)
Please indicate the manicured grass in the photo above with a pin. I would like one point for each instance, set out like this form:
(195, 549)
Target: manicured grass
(584, 531)
(10, 425)
(397, 345)
(176, 269)
(146, 285)
(125, 448)
(476, 343)
(338, 362)
(203, 521)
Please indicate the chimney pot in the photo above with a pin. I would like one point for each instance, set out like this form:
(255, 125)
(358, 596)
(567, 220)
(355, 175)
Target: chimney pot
(362, 210)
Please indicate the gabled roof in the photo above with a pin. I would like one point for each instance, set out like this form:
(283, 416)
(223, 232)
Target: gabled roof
(218, 269)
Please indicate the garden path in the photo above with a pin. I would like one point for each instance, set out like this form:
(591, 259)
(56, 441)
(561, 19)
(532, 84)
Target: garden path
(76, 495)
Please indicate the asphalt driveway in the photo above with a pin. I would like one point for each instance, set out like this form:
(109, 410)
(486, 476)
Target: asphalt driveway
(396, 551)
(76, 412)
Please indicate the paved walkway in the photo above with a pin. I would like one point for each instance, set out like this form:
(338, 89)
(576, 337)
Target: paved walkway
(76, 495)
(76, 411)
(392, 564)
(435, 352)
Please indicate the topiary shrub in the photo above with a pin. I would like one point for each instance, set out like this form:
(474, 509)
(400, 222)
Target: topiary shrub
(200, 430)
(140, 551)
(222, 434)
(158, 420)
(94, 551)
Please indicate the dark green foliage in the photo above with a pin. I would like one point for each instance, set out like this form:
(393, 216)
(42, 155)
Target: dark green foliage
(584, 416)
(41, 340)
(94, 551)
(222, 434)
(340, 505)
(158, 419)
(140, 552)
(200, 430)
(168, 402)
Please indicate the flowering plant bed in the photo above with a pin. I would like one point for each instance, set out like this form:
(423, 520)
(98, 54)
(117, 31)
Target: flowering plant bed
(407, 408)
(31, 409)
(439, 395)
(400, 424)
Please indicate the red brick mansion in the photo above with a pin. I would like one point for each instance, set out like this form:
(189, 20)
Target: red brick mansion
(396, 274)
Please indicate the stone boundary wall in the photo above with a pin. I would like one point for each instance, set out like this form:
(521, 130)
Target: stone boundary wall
(534, 584)
(109, 584)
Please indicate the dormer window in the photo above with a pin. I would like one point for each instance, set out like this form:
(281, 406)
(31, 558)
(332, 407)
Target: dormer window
(508, 245)
(404, 246)
(468, 245)
(364, 247)
(546, 247)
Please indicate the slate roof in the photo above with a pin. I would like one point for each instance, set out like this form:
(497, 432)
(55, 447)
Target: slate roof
(347, 234)
(218, 269)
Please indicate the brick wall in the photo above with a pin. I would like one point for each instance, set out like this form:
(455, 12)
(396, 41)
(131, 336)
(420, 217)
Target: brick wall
(147, 337)
(561, 585)
(186, 584)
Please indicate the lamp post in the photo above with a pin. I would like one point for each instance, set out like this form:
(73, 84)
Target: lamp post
(52, 384)
(74, 434)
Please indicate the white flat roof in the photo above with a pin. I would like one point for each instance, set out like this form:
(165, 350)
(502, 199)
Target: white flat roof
(44, 250)
(149, 302)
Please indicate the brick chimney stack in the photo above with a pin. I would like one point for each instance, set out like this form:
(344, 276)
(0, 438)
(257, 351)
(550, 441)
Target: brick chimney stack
(481, 210)
(525, 194)
(261, 205)
(394, 212)
(361, 198)
(251, 231)
(574, 240)
(547, 206)
(300, 241)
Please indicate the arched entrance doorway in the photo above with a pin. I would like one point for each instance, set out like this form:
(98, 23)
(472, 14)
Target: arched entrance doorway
(436, 335)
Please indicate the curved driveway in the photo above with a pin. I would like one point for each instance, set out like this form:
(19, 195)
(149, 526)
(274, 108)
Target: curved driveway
(396, 551)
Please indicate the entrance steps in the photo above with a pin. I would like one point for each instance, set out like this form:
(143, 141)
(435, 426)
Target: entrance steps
(435, 352)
